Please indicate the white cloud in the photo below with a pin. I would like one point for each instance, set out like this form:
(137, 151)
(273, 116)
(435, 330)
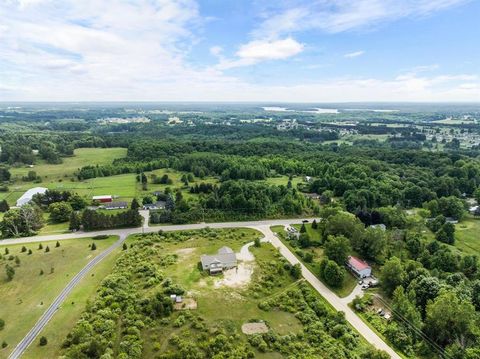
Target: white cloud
(354, 54)
(259, 50)
(216, 51)
(335, 16)
(263, 50)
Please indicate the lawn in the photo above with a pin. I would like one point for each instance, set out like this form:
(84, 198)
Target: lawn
(68, 314)
(349, 282)
(29, 293)
(467, 236)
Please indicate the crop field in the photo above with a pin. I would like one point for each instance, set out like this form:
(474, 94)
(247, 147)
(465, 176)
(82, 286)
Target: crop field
(38, 279)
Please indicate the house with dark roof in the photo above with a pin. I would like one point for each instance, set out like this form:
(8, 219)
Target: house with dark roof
(359, 267)
(115, 205)
(217, 263)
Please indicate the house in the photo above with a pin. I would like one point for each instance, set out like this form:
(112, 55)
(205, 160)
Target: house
(308, 178)
(156, 205)
(27, 196)
(473, 209)
(217, 263)
(359, 267)
(115, 205)
(380, 226)
(103, 198)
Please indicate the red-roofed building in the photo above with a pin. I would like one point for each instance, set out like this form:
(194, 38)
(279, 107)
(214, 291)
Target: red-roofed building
(359, 267)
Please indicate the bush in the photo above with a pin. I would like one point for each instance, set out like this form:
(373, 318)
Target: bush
(93, 246)
(43, 341)
(2, 324)
(100, 236)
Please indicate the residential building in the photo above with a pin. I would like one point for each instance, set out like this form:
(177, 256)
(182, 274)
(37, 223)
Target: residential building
(217, 263)
(359, 267)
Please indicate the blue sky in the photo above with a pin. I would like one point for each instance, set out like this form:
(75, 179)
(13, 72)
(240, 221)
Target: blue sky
(226, 50)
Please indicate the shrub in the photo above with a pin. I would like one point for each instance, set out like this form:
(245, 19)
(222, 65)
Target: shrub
(43, 341)
(100, 236)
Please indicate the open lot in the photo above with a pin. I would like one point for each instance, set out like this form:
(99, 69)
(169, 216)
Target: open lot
(467, 236)
(29, 293)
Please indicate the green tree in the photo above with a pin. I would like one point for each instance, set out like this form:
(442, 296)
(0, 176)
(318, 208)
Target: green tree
(392, 275)
(47, 249)
(93, 247)
(124, 247)
(57, 244)
(449, 319)
(332, 273)
(337, 248)
(23, 221)
(4, 207)
(446, 233)
(10, 272)
(296, 271)
(75, 221)
(135, 205)
(372, 243)
(303, 229)
(60, 211)
(404, 310)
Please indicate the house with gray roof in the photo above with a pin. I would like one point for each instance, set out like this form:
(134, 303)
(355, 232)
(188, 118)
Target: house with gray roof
(217, 263)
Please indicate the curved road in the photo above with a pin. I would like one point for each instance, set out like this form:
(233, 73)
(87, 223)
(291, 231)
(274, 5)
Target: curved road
(262, 226)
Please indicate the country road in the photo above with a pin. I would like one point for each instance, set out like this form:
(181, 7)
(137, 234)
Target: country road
(262, 226)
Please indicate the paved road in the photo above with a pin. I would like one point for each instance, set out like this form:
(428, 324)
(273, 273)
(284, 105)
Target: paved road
(330, 296)
(51, 310)
(262, 226)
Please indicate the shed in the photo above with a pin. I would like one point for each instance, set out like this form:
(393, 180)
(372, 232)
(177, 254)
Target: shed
(102, 198)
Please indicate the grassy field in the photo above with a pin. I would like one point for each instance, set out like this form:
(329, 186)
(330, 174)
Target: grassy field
(29, 293)
(350, 281)
(60, 176)
(69, 313)
(467, 236)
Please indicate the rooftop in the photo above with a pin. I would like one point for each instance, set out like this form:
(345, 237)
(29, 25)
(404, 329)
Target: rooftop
(357, 263)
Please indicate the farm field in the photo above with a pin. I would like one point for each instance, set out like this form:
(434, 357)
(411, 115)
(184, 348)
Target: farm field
(69, 313)
(60, 176)
(29, 293)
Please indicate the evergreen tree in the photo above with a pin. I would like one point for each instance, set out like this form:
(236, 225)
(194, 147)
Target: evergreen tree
(9, 271)
(124, 247)
(135, 205)
(314, 224)
(57, 244)
(303, 229)
(74, 221)
(29, 251)
(47, 249)
(93, 247)
(4, 207)
(40, 246)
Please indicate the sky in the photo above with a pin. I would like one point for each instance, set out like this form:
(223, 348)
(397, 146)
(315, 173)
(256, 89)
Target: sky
(240, 50)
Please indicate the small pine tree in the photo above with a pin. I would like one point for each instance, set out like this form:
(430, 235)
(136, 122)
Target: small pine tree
(43, 341)
(40, 246)
(7, 251)
(93, 247)
(303, 229)
(17, 261)
(314, 224)
(257, 242)
(57, 244)
(124, 246)
(4, 344)
(135, 205)
(10, 272)
(24, 249)
(29, 251)
(47, 249)
(41, 271)
(52, 270)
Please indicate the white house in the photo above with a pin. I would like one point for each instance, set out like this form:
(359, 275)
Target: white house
(27, 196)
(359, 267)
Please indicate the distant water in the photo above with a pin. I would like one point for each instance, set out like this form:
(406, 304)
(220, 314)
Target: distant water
(285, 109)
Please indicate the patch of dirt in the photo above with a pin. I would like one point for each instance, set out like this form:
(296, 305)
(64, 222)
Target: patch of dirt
(187, 304)
(254, 328)
(236, 277)
(184, 252)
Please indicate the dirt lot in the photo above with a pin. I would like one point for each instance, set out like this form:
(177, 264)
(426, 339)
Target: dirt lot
(254, 328)
(187, 304)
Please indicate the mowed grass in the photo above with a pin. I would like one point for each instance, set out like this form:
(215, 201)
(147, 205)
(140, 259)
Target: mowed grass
(70, 312)
(81, 157)
(467, 236)
(349, 282)
(61, 176)
(29, 294)
(226, 307)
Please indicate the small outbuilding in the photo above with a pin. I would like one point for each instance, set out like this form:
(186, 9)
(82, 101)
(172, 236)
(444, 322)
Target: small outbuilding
(103, 198)
(27, 196)
(359, 267)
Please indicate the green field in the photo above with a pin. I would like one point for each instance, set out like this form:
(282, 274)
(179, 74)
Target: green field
(467, 236)
(68, 314)
(28, 294)
(61, 176)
